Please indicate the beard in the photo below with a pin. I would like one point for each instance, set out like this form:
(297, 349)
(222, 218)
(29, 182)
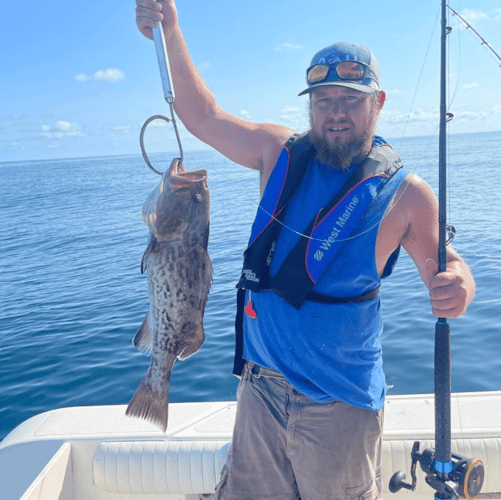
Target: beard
(341, 154)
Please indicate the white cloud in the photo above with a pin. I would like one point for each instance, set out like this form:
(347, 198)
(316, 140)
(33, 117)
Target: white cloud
(416, 116)
(158, 123)
(61, 130)
(420, 116)
(292, 117)
(481, 116)
(204, 66)
(470, 85)
(103, 75)
(246, 114)
(287, 46)
(109, 75)
(121, 128)
(81, 77)
(472, 15)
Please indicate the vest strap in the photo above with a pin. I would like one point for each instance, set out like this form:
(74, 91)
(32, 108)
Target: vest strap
(239, 361)
(327, 299)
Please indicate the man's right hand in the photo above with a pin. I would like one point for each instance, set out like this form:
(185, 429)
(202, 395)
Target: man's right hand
(150, 12)
(253, 145)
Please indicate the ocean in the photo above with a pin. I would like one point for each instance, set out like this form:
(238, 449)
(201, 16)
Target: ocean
(72, 295)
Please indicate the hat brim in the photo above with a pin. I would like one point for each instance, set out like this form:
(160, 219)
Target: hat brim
(351, 85)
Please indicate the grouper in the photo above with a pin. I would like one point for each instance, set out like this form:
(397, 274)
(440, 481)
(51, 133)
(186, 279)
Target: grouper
(179, 278)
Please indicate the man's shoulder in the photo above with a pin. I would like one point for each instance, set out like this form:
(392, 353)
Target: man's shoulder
(412, 212)
(415, 202)
(415, 189)
(277, 138)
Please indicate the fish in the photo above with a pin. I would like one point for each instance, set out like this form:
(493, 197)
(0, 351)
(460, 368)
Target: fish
(179, 269)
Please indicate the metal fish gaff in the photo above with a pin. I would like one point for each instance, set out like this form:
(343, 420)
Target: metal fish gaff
(179, 277)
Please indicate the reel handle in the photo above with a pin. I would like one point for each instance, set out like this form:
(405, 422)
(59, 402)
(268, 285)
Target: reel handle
(464, 481)
(397, 482)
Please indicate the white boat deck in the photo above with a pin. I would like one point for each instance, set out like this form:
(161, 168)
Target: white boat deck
(97, 453)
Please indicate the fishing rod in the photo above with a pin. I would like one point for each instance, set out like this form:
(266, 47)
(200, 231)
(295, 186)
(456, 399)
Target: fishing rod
(482, 39)
(450, 475)
(163, 65)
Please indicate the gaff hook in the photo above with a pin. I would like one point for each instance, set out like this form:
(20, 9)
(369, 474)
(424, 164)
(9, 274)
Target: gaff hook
(163, 64)
(141, 140)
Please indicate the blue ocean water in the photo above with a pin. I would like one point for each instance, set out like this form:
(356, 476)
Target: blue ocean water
(72, 296)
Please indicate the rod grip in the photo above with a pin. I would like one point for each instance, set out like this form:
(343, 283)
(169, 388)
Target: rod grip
(442, 392)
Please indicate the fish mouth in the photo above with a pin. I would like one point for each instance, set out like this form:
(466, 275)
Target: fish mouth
(179, 177)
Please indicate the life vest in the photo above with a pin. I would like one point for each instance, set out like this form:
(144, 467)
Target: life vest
(327, 230)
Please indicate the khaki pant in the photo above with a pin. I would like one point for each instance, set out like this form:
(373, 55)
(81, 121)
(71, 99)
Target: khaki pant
(286, 446)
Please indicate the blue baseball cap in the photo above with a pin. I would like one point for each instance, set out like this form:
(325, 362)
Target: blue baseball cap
(325, 69)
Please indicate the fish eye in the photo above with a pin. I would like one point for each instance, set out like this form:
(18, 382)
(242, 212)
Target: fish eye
(198, 197)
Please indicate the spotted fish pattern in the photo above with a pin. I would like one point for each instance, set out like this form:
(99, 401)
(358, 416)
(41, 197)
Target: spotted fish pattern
(179, 277)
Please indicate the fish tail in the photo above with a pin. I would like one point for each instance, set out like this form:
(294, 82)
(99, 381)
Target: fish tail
(150, 404)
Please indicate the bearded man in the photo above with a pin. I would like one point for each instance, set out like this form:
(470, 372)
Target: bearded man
(336, 208)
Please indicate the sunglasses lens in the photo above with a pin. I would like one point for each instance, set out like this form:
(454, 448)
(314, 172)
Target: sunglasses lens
(318, 73)
(350, 70)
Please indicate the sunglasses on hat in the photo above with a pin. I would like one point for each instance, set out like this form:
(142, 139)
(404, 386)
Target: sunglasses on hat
(345, 70)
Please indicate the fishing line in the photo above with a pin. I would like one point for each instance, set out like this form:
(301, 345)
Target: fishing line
(246, 194)
(253, 201)
(220, 172)
(170, 97)
(419, 81)
(393, 204)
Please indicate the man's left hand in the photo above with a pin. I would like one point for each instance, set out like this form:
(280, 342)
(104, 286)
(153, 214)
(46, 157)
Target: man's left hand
(450, 292)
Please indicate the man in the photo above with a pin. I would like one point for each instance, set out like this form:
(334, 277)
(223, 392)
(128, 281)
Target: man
(337, 206)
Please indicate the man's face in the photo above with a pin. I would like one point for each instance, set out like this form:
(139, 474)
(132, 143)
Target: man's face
(342, 123)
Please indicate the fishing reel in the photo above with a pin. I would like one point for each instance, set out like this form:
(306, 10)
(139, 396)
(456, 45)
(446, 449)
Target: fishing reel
(464, 481)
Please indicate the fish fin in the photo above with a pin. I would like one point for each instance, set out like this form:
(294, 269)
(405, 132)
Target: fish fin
(142, 339)
(149, 248)
(194, 345)
(149, 404)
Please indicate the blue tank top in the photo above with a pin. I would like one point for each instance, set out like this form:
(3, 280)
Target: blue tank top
(328, 352)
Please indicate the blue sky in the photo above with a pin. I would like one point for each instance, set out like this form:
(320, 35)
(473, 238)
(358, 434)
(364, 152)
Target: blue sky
(78, 79)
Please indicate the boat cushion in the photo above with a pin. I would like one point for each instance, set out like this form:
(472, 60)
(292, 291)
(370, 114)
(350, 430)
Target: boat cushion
(191, 467)
(185, 467)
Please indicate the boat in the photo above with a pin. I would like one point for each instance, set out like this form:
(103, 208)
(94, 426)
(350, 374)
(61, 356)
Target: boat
(97, 453)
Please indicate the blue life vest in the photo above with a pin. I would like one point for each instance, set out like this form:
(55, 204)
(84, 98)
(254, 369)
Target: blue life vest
(327, 350)
(325, 233)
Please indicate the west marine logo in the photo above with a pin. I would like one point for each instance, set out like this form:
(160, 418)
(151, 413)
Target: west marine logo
(336, 231)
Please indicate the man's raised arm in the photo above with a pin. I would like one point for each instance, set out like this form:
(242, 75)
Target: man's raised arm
(252, 145)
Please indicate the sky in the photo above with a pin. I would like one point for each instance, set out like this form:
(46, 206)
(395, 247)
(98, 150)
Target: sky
(77, 79)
